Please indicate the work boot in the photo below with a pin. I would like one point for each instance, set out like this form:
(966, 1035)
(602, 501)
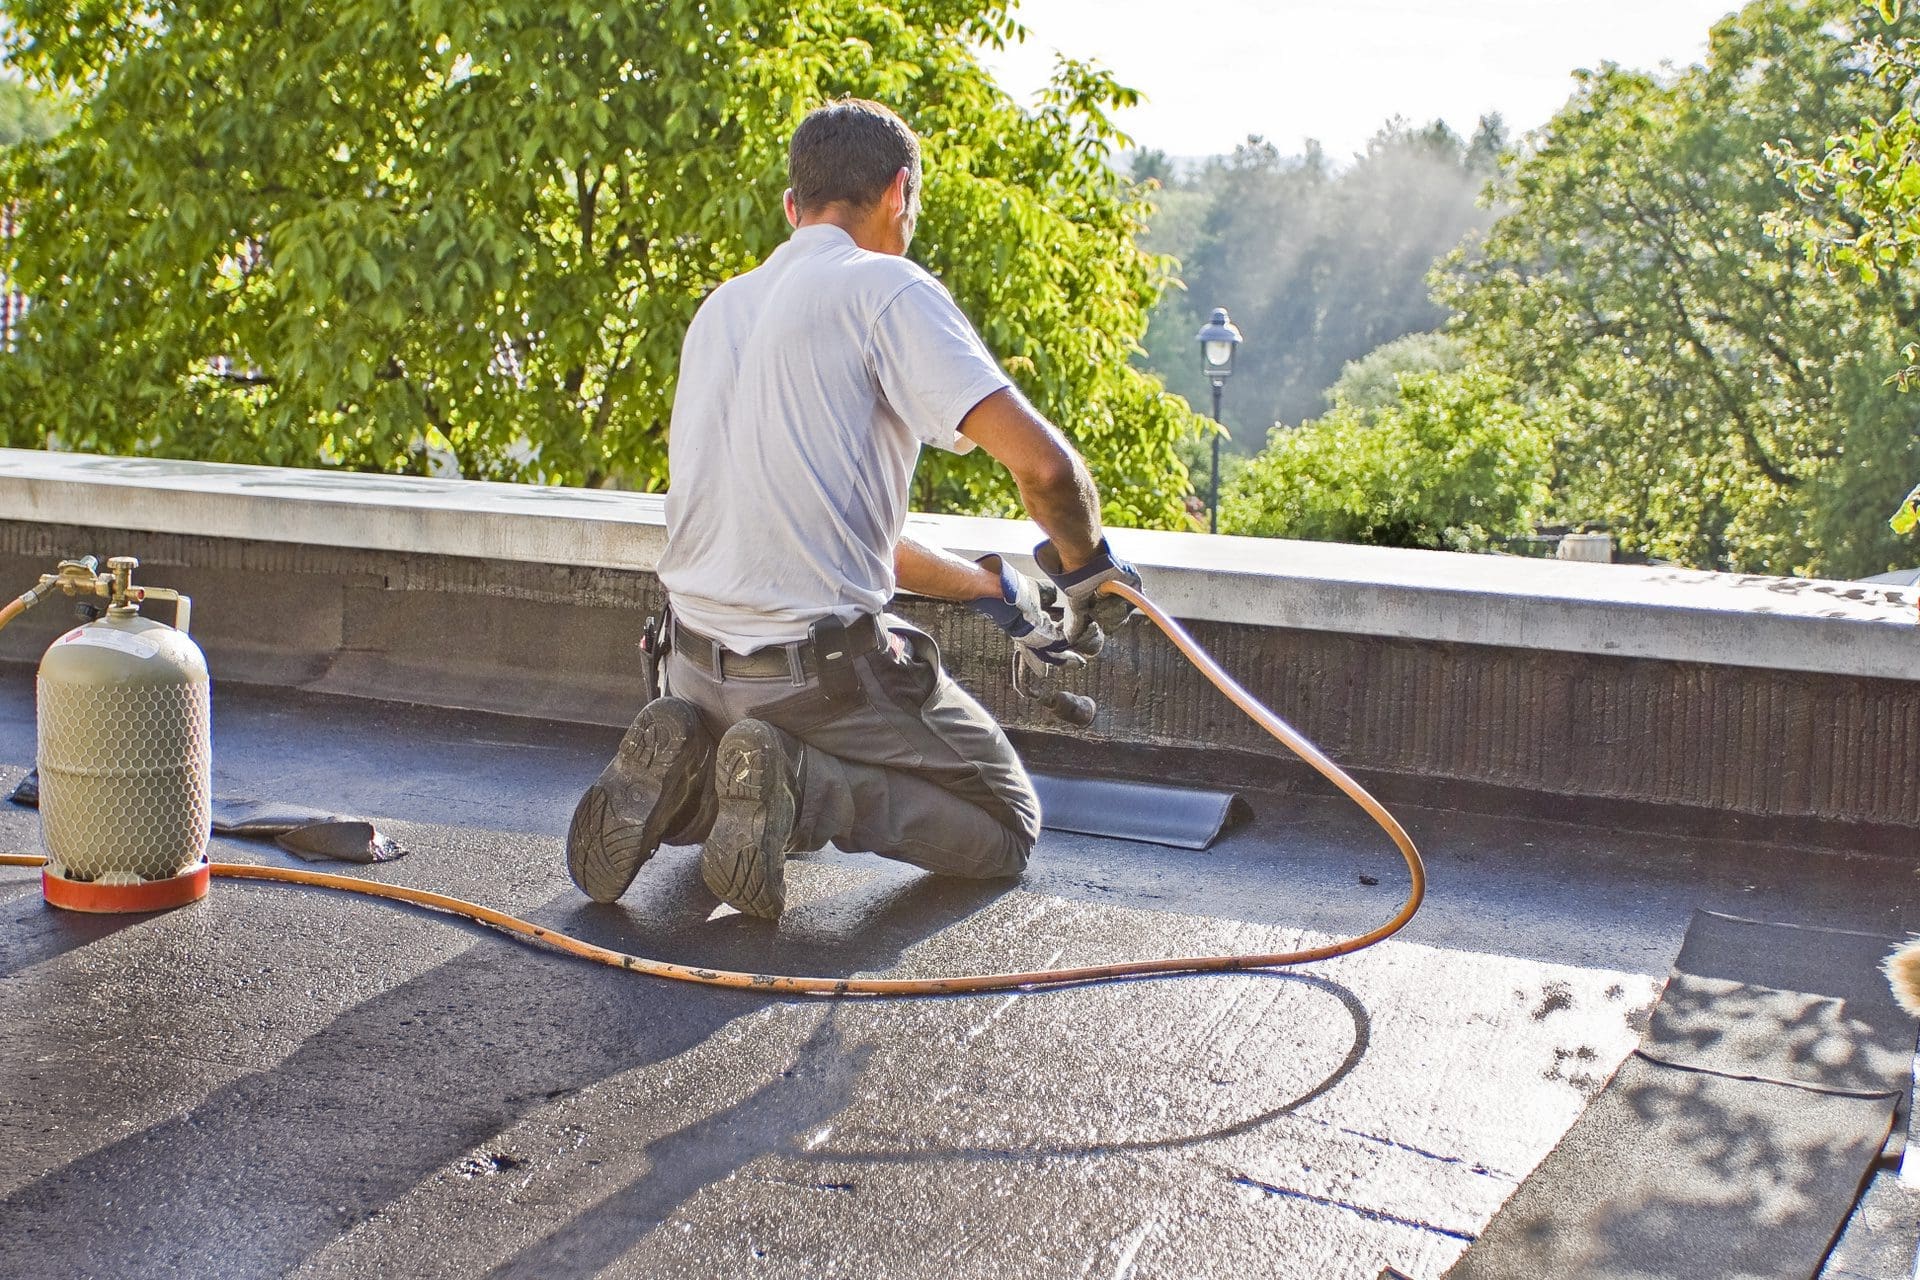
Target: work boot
(657, 785)
(756, 778)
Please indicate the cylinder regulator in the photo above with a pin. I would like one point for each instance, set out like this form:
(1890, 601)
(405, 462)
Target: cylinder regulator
(125, 749)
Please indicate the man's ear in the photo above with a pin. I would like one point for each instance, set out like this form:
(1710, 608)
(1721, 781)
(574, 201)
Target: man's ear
(897, 192)
(792, 207)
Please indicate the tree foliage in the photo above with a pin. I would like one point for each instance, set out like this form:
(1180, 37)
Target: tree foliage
(1318, 264)
(1728, 398)
(1859, 209)
(1449, 463)
(360, 233)
(1860, 188)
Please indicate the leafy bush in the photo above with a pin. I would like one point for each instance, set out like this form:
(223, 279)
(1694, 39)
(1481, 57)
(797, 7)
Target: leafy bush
(1452, 464)
(1373, 381)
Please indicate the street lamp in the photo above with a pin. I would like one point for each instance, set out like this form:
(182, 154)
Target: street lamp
(1217, 339)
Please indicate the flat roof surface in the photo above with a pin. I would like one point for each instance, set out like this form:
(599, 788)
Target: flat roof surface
(286, 1081)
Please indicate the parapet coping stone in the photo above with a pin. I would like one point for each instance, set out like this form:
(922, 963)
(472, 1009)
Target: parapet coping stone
(1656, 612)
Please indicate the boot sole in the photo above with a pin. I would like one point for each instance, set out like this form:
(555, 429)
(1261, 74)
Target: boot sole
(619, 822)
(744, 858)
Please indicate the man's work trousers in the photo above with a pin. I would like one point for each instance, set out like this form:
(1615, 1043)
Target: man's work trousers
(911, 768)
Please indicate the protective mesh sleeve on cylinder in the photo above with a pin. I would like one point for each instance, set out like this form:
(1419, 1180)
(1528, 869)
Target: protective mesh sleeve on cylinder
(125, 779)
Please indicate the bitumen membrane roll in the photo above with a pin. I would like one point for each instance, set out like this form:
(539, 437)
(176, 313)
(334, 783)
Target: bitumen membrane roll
(1179, 817)
(1735, 1139)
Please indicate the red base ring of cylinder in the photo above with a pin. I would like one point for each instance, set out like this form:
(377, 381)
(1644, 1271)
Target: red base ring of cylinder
(108, 899)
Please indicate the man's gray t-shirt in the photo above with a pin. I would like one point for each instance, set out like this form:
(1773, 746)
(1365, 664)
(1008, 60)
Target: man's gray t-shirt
(807, 387)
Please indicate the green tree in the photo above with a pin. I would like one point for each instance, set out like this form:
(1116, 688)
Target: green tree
(1728, 397)
(359, 233)
(1859, 190)
(1451, 463)
(1859, 199)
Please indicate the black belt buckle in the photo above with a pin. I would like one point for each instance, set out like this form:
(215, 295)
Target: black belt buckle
(833, 653)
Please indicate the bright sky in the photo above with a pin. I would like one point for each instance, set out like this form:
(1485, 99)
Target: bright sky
(1216, 70)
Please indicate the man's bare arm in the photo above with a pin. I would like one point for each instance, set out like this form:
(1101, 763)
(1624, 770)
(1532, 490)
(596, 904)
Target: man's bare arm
(1055, 486)
(941, 575)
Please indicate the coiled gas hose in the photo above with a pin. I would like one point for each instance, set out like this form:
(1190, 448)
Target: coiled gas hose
(969, 983)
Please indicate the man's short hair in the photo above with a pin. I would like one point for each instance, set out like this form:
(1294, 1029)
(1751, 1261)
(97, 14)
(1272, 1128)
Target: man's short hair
(848, 151)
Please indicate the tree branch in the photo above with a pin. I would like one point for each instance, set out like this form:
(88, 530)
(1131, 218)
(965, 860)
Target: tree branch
(1737, 411)
(242, 379)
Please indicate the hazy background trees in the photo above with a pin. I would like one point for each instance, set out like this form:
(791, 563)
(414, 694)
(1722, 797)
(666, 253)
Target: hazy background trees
(1319, 260)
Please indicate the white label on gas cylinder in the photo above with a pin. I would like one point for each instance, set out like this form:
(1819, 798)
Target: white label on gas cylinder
(107, 638)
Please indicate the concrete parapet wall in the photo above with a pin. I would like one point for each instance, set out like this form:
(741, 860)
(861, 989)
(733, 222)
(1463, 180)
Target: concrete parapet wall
(1618, 610)
(1779, 705)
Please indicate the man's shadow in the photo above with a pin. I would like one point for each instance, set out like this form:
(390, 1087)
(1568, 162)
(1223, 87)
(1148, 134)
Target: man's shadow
(276, 1164)
(822, 1085)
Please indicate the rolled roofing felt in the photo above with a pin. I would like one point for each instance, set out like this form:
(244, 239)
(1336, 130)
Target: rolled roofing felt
(1182, 817)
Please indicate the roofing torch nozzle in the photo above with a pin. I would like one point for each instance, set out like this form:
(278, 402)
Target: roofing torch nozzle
(1068, 708)
(1071, 708)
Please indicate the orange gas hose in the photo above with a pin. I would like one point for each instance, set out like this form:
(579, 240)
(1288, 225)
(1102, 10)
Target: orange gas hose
(1038, 978)
(17, 606)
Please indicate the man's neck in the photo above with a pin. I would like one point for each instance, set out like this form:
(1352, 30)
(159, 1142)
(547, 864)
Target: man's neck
(870, 229)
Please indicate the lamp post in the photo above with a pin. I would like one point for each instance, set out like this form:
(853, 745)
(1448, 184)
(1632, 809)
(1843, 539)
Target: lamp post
(1217, 337)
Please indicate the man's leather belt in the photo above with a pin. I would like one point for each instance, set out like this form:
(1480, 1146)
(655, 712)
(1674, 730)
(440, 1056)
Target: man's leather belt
(798, 661)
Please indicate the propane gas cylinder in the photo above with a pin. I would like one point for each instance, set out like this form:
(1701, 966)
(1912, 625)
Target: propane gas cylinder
(126, 762)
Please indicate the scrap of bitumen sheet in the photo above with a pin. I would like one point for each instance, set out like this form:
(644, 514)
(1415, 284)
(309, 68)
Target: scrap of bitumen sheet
(348, 840)
(1735, 1140)
(1180, 817)
(314, 835)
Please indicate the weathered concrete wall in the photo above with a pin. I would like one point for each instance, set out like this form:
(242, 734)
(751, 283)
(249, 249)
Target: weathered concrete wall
(1830, 758)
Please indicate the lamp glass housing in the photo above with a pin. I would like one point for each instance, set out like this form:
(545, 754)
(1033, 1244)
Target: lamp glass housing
(1219, 354)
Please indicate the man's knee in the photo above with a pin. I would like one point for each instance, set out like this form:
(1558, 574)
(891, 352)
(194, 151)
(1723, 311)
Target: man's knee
(1011, 857)
(998, 856)
(1022, 818)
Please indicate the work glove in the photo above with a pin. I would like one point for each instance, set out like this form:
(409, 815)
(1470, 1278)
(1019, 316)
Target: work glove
(1023, 610)
(1090, 616)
